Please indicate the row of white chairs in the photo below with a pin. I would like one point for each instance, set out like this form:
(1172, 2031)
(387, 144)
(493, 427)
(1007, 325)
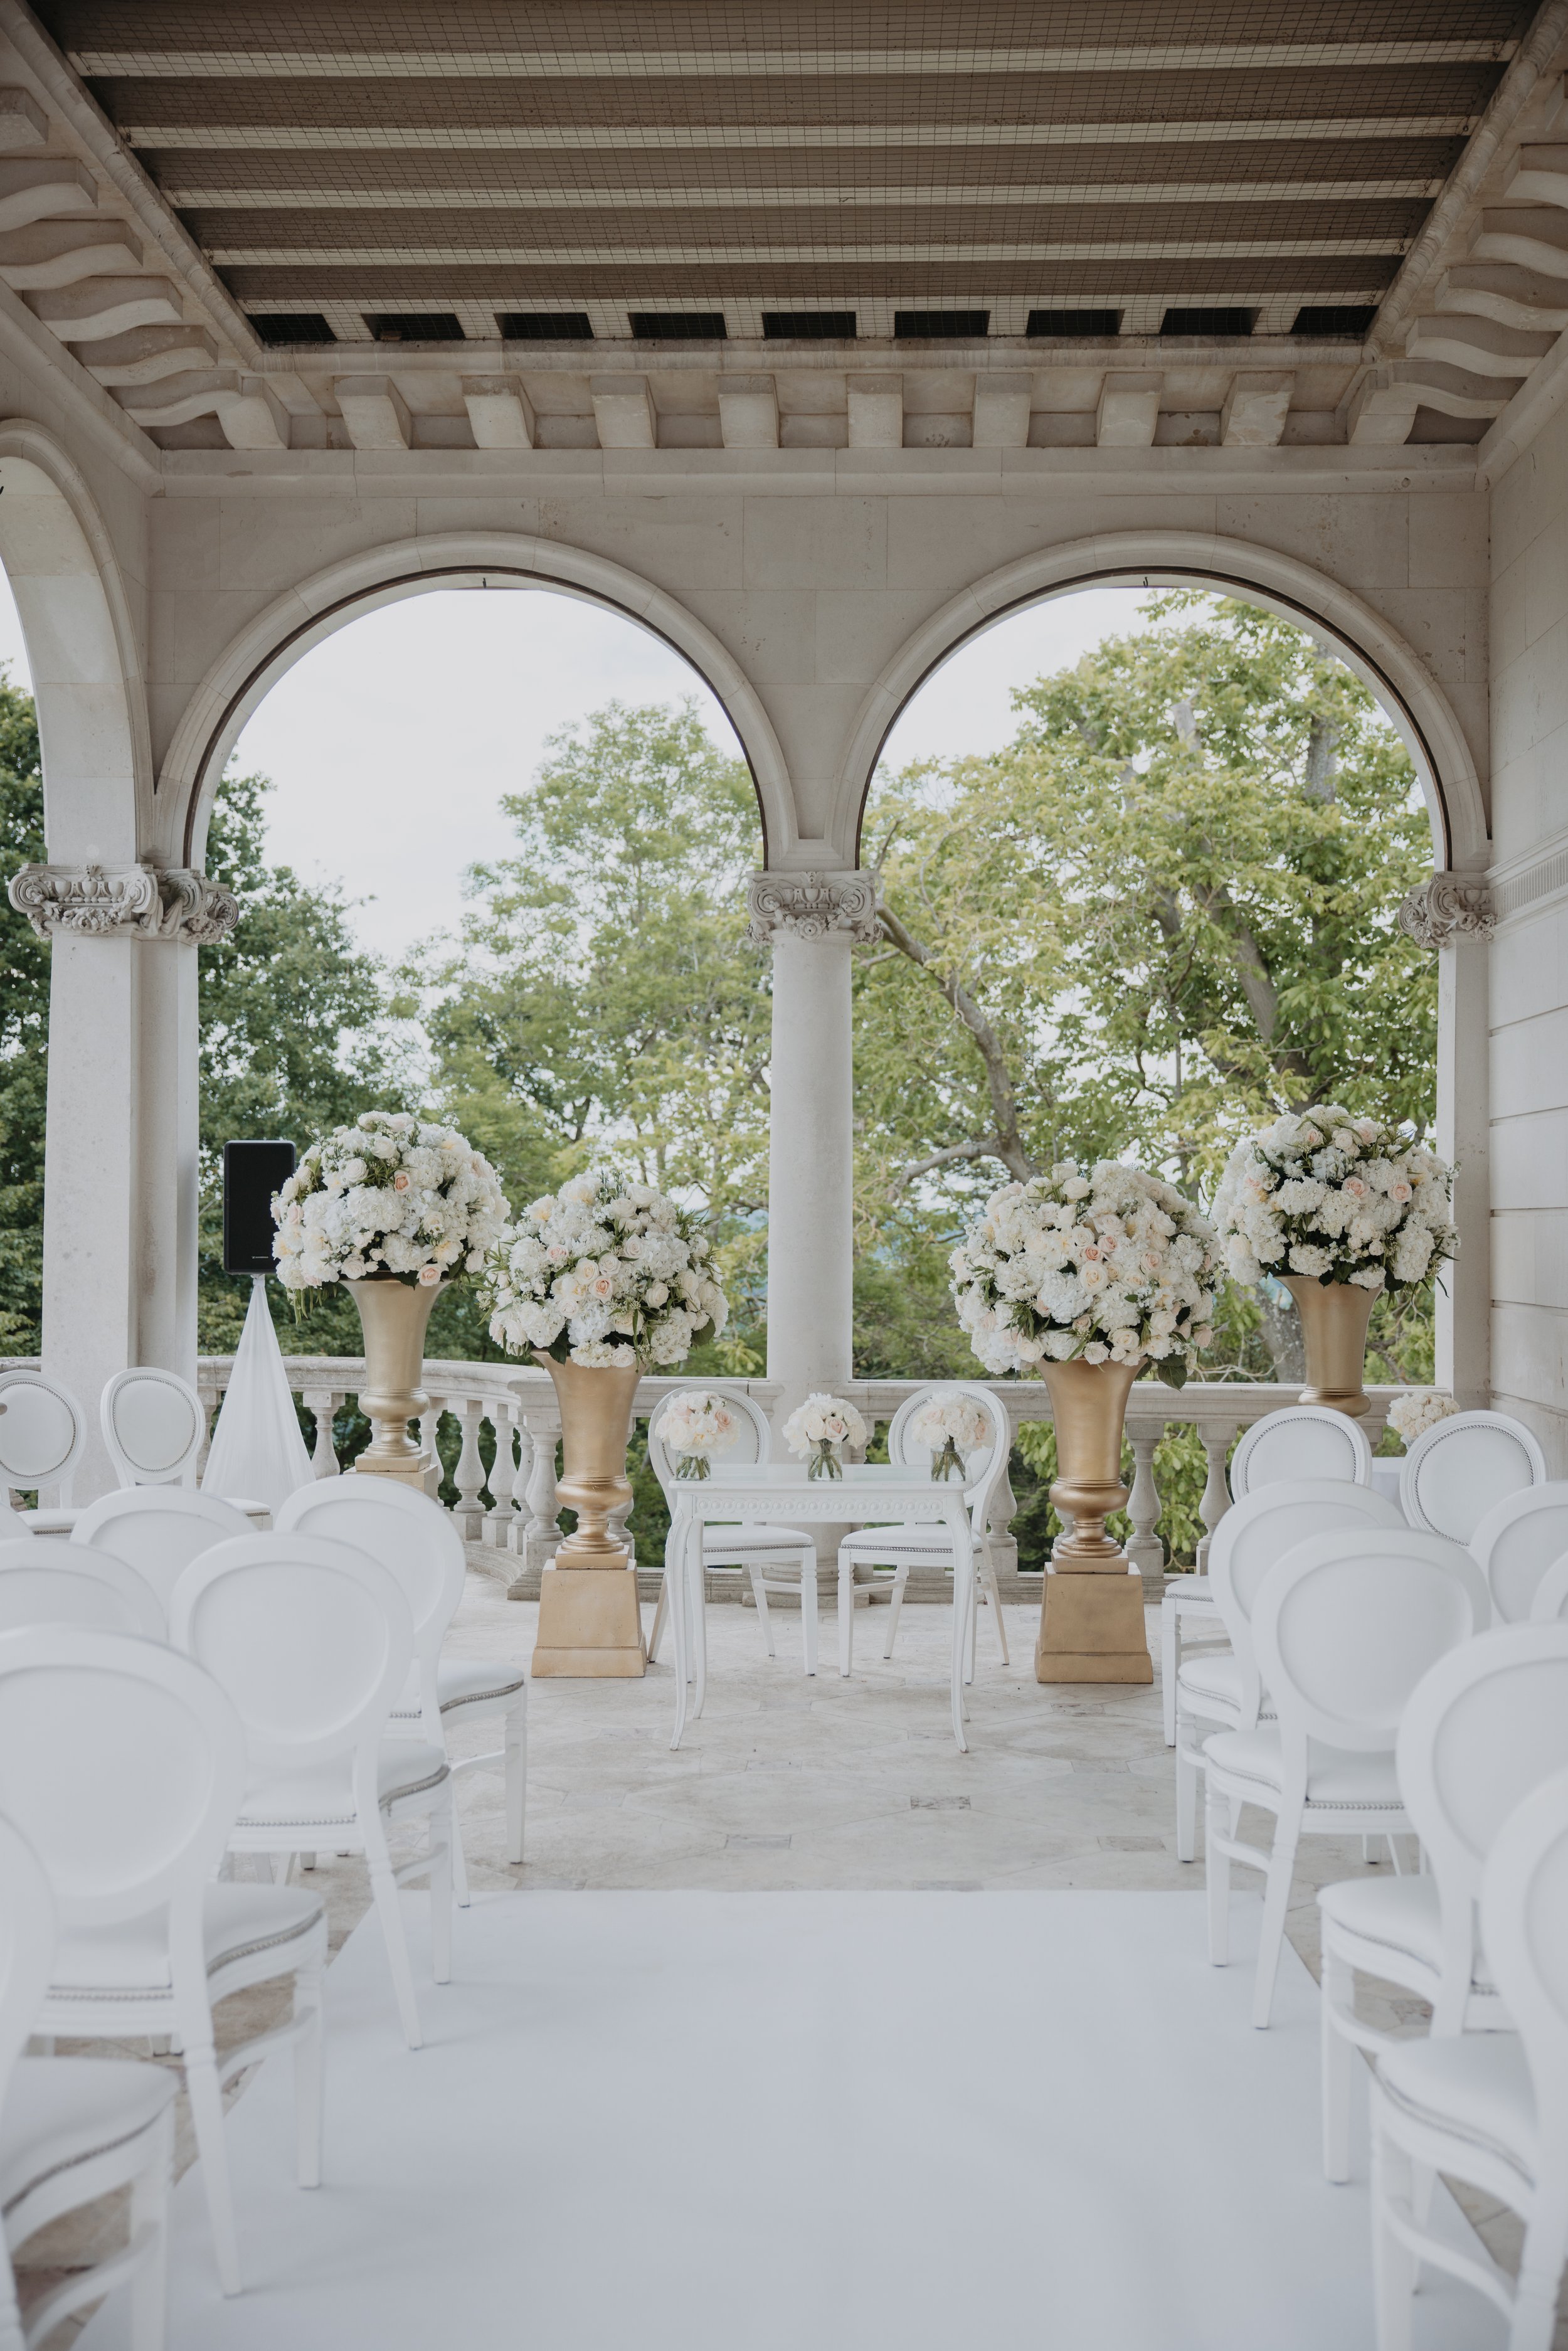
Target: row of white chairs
(153, 1427)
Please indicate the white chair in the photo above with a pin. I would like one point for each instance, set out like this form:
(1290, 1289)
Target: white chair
(1300, 1440)
(1462, 1467)
(154, 1425)
(73, 2129)
(158, 1531)
(1516, 1542)
(412, 1535)
(1550, 1600)
(777, 1559)
(124, 1764)
(904, 1546)
(1487, 1723)
(1222, 1689)
(42, 1433)
(65, 1583)
(1491, 2108)
(1344, 1627)
(312, 1641)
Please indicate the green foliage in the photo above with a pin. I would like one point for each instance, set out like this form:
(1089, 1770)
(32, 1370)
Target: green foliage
(23, 1035)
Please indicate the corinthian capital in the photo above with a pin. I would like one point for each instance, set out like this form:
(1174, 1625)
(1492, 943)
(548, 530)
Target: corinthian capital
(148, 902)
(1449, 907)
(809, 905)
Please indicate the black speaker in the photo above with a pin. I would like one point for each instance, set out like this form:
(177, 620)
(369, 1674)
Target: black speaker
(252, 1174)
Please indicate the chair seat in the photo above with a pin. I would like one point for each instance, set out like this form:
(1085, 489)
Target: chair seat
(1191, 1595)
(1214, 1675)
(1401, 1914)
(892, 1545)
(132, 1954)
(728, 1546)
(323, 1797)
(1477, 2087)
(46, 1522)
(1334, 1780)
(462, 1682)
(63, 2111)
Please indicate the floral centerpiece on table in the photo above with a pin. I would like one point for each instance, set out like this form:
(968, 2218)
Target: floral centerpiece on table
(1108, 1265)
(1330, 1198)
(695, 1427)
(606, 1274)
(391, 1195)
(950, 1426)
(1411, 1415)
(819, 1429)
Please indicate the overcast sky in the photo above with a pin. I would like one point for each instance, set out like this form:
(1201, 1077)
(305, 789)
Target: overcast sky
(390, 746)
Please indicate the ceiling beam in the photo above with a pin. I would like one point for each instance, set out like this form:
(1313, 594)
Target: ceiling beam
(959, 248)
(690, 195)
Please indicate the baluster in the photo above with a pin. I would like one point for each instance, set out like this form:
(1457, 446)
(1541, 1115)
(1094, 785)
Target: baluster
(468, 1477)
(1146, 1550)
(496, 1526)
(543, 1536)
(323, 1402)
(1215, 1493)
(208, 1393)
(1004, 1504)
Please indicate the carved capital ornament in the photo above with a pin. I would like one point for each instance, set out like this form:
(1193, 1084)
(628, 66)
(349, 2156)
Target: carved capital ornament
(810, 905)
(148, 902)
(1449, 907)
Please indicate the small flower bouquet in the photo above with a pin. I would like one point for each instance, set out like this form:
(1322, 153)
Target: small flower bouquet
(693, 1427)
(819, 1428)
(1111, 1266)
(1411, 1415)
(950, 1426)
(1335, 1198)
(391, 1195)
(604, 1274)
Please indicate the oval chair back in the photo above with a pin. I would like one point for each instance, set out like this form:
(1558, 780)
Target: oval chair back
(1524, 1931)
(405, 1532)
(1550, 1600)
(1300, 1440)
(1463, 1466)
(61, 1583)
(1257, 1532)
(1516, 1542)
(754, 1442)
(158, 1531)
(983, 1468)
(41, 1432)
(26, 1952)
(153, 1424)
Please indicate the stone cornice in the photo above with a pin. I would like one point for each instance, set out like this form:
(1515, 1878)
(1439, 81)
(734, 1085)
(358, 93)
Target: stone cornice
(1449, 907)
(148, 902)
(810, 905)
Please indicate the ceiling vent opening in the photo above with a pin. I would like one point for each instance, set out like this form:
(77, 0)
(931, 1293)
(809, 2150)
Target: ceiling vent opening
(1222, 321)
(678, 326)
(940, 326)
(1347, 320)
(544, 327)
(292, 327)
(809, 326)
(415, 327)
(1074, 322)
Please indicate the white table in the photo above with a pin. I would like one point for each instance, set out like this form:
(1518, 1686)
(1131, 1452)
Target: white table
(780, 1494)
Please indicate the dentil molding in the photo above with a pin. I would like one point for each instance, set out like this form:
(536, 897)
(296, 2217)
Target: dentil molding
(1449, 907)
(149, 902)
(809, 905)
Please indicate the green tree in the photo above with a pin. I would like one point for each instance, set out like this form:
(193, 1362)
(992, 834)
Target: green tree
(23, 1035)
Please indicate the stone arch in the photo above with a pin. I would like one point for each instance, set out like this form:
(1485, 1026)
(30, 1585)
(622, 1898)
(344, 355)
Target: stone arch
(1385, 663)
(82, 649)
(245, 673)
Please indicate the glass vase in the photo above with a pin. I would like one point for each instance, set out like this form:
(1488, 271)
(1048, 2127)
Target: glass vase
(824, 1461)
(692, 1465)
(948, 1463)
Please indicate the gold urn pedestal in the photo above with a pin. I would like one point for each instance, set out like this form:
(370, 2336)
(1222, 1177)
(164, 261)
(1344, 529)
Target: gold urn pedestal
(393, 1316)
(1091, 1611)
(590, 1627)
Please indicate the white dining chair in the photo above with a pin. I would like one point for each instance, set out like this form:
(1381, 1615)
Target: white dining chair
(154, 1424)
(1551, 1601)
(123, 1763)
(63, 1583)
(158, 1531)
(312, 1641)
(411, 1534)
(900, 1548)
(1517, 1541)
(1489, 2108)
(42, 1433)
(1462, 1467)
(1220, 1689)
(1345, 1626)
(775, 1559)
(1487, 1723)
(73, 2129)
(1298, 1440)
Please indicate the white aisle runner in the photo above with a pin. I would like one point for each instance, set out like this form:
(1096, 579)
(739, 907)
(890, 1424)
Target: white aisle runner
(803, 2122)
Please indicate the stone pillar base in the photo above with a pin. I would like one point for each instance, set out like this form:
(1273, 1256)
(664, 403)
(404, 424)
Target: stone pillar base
(414, 1472)
(591, 1627)
(1092, 1629)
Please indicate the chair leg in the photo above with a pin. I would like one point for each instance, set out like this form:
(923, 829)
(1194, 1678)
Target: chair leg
(442, 1831)
(971, 1621)
(759, 1593)
(1393, 2263)
(11, 2337)
(517, 1772)
(383, 1885)
(1168, 1664)
(661, 1616)
(846, 1616)
(1535, 2295)
(1338, 2061)
(207, 2119)
(900, 1579)
(809, 1613)
(994, 1594)
(459, 1864)
(1186, 1778)
(309, 2062)
(1276, 1903)
(148, 2294)
(1216, 1872)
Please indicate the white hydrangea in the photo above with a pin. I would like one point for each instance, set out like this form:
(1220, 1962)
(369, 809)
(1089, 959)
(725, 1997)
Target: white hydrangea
(604, 1274)
(1110, 1265)
(1336, 1198)
(1415, 1410)
(391, 1194)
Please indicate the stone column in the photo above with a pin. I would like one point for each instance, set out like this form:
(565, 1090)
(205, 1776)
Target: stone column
(121, 1166)
(1453, 914)
(811, 921)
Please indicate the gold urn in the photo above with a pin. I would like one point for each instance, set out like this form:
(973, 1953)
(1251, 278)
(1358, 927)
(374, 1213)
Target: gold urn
(590, 1627)
(1091, 1610)
(1335, 1317)
(393, 1316)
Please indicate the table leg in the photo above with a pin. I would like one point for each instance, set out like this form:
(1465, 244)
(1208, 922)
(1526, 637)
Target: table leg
(808, 1611)
(846, 1615)
(675, 1590)
(1170, 1659)
(698, 1588)
(958, 1523)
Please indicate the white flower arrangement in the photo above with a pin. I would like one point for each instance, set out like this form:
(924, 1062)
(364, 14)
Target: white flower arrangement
(819, 1428)
(1417, 1410)
(1335, 1198)
(695, 1425)
(949, 1426)
(392, 1194)
(604, 1274)
(1111, 1266)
